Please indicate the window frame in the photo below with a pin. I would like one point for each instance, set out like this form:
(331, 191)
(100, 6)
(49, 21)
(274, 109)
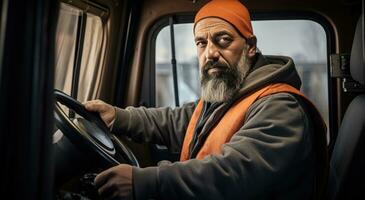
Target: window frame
(148, 86)
(148, 92)
(127, 39)
(91, 7)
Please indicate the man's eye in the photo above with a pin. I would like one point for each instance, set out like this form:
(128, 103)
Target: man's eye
(223, 41)
(200, 44)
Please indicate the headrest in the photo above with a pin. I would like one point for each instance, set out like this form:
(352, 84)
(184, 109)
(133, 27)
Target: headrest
(357, 60)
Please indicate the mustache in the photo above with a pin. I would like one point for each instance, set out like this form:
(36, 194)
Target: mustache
(213, 64)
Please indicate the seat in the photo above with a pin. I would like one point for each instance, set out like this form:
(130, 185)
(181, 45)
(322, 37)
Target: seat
(347, 165)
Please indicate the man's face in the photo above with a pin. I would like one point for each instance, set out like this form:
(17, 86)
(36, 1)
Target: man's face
(223, 62)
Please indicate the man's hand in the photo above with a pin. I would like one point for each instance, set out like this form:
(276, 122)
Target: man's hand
(106, 111)
(115, 183)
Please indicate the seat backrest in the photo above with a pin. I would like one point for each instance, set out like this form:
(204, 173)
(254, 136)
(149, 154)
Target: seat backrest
(347, 165)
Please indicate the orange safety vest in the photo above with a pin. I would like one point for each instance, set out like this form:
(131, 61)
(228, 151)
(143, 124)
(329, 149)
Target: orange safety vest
(230, 123)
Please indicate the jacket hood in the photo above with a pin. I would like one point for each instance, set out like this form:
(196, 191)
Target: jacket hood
(268, 70)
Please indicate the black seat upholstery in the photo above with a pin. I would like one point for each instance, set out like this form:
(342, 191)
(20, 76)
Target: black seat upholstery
(347, 166)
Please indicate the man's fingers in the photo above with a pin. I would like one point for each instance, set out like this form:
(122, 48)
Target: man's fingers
(95, 105)
(103, 177)
(106, 190)
(115, 182)
(105, 183)
(106, 111)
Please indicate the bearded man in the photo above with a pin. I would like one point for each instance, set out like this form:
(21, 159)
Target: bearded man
(252, 135)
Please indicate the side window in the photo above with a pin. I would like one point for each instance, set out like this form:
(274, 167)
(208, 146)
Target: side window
(303, 40)
(306, 42)
(79, 52)
(66, 38)
(187, 66)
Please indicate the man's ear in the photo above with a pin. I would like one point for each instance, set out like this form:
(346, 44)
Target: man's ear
(251, 51)
(251, 42)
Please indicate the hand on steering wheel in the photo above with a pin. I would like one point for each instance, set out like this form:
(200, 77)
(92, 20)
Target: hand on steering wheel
(89, 133)
(106, 111)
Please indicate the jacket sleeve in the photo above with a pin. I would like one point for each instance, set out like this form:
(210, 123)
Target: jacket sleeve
(164, 126)
(274, 140)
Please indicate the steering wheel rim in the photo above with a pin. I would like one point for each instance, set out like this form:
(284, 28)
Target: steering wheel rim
(90, 133)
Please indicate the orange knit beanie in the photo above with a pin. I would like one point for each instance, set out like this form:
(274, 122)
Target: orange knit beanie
(232, 11)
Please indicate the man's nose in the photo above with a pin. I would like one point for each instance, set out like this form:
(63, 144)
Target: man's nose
(212, 52)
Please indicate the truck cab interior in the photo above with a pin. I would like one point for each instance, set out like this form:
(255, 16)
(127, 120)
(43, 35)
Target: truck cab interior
(55, 55)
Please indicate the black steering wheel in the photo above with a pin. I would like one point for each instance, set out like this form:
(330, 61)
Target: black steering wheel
(89, 133)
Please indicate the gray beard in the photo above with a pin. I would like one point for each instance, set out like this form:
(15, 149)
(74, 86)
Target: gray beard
(225, 85)
(217, 90)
